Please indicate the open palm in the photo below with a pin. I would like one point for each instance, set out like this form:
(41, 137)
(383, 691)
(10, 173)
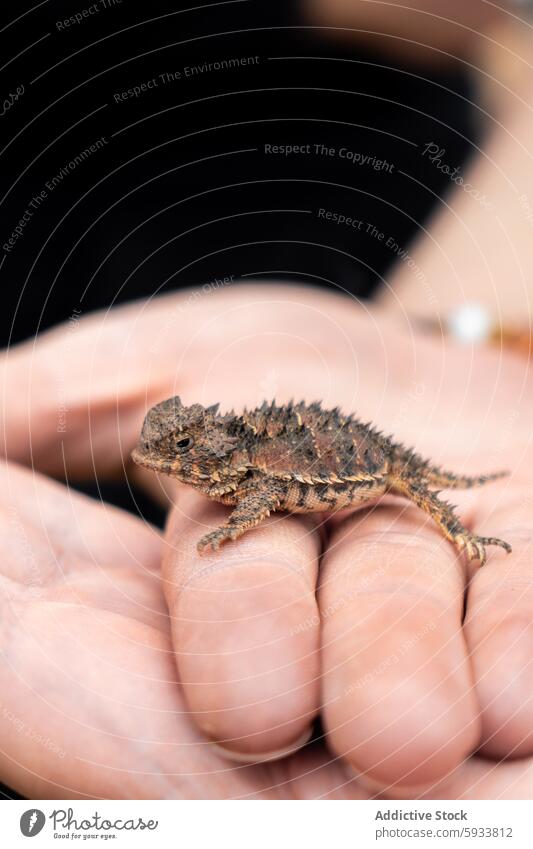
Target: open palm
(91, 705)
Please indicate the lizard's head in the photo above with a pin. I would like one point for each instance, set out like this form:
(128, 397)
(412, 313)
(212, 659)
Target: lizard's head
(193, 444)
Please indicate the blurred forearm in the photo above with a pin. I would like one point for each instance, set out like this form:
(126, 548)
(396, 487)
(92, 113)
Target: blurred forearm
(480, 242)
(427, 31)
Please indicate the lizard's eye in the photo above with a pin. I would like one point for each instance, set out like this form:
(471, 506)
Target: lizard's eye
(183, 444)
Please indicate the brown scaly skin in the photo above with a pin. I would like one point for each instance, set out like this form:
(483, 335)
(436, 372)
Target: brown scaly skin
(296, 457)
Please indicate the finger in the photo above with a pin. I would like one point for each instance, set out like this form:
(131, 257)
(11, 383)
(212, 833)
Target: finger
(483, 779)
(476, 778)
(313, 774)
(398, 698)
(78, 392)
(499, 627)
(245, 629)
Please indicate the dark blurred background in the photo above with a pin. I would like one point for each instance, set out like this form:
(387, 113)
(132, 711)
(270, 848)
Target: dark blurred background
(179, 190)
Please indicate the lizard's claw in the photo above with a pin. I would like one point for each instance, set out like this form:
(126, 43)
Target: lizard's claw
(474, 546)
(215, 539)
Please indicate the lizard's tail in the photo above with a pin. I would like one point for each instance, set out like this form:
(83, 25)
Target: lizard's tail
(407, 463)
(447, 480)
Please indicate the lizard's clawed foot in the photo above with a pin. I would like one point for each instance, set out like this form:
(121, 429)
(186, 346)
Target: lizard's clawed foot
(474, 547)
(215, 539)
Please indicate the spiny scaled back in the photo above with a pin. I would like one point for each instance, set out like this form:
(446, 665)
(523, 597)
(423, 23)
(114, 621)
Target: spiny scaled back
(295, 457)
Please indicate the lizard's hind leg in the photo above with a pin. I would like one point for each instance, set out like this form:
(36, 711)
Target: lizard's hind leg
(416, 490)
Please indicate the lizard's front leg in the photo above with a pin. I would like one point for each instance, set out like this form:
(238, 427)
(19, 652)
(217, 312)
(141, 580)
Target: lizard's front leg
(252, 508)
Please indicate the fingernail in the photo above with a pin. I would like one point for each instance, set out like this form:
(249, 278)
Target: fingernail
(262, 757)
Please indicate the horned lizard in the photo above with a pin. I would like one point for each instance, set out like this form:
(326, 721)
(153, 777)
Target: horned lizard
(295, 457)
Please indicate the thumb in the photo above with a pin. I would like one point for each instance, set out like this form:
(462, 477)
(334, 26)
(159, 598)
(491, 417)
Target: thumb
(75, 397)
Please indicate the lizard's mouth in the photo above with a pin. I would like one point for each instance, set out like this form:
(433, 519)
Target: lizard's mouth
(147, 460)
(141, 458)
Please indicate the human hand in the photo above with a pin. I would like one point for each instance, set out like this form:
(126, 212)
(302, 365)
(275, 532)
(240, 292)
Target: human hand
(255, 665)
(90, 704)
